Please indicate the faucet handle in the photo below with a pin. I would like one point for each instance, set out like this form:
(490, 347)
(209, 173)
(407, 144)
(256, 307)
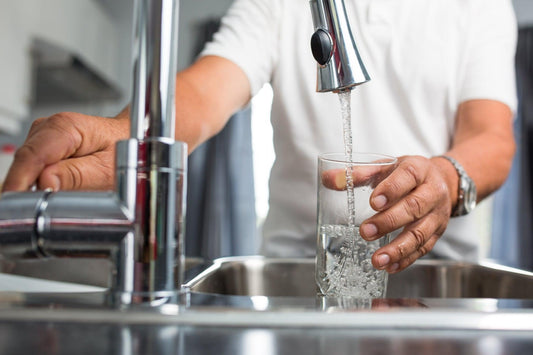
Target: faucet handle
(321, 46)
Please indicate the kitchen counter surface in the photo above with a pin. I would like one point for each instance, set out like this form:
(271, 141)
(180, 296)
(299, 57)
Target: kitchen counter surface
(207, 324)
(62, 337)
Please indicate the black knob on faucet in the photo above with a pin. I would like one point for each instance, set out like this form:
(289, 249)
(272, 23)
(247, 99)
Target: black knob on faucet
(321, 46)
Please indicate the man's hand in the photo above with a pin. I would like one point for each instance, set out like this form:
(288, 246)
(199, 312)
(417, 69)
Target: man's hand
(75, 151)
(419, 195)
(68, 151)
(415, 197)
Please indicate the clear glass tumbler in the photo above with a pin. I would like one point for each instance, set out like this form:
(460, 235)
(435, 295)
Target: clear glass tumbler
(343, 260)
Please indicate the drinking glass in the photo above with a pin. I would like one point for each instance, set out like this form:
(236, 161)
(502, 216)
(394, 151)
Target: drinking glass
(343, 259)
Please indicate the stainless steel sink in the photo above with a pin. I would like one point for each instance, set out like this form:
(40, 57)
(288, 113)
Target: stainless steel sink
(257, 276)
(262, 293)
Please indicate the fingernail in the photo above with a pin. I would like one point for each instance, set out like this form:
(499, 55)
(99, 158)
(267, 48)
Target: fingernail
(380, 201)
(369, 230)
(394, 267)
(56, 184)
(340, 181)
(383, 260)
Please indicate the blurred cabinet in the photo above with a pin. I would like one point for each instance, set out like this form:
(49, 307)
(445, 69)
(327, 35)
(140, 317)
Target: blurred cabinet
(78, 33)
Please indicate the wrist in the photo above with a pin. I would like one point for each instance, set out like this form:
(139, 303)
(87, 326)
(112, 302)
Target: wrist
(466, 199)
(450, 177)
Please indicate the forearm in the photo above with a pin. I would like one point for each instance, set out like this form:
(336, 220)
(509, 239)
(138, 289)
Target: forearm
(207, 94)
(484, 145)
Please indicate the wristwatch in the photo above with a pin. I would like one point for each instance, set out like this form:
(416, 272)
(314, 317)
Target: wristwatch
(467, 193)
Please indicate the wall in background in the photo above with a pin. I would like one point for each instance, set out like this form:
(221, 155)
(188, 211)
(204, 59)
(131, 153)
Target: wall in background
(193, 14)
(60, 24)
(524, 12)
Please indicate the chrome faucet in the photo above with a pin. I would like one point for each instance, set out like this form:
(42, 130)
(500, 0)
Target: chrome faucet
(140, 226)
(340, 66)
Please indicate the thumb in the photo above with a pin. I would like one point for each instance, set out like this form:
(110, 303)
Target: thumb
(93, 172)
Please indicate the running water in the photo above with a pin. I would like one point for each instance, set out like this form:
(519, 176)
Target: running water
(346, 269)
(345, 265)
(342, 278)
(346, 112)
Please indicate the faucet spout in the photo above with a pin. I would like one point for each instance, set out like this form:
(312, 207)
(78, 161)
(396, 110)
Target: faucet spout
(340, 66)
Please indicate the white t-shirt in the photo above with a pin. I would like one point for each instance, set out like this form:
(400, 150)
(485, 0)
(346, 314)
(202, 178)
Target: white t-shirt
(425, 57)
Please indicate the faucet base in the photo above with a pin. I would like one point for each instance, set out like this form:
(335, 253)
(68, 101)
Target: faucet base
(126, 300)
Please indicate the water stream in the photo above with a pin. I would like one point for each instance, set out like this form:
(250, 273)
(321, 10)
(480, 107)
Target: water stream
(347, 267)
(346, 112)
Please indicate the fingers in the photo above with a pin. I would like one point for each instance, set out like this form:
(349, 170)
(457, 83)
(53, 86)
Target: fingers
(334, 179)
(42, 148)
(402, 198)
(59, 150)
(397, 214)
(413, 197)
(362, 175)
(93, 172)
(414, 242)
(409, 174)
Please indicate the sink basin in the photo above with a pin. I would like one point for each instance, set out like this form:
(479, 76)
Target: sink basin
(262, 293)
(257, 276)
(230, 310)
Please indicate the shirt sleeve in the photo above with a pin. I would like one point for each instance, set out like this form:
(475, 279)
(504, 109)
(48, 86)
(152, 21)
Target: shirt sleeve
(248, 37)
(490, 60)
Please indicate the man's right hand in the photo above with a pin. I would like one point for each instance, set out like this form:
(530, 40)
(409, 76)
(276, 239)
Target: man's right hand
(68, 151)
(73, 151)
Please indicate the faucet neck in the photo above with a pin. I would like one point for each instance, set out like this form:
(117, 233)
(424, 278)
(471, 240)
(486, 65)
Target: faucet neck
(151, 166)
(154, 69)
